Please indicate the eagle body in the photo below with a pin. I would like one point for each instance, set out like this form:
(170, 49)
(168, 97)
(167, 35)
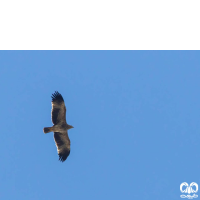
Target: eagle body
(60, 126)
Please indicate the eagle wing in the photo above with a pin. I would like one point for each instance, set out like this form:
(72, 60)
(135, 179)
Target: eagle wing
(63, 145)
(58, 113)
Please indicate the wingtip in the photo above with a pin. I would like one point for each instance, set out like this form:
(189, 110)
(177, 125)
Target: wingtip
(63, 157)
(57, 96)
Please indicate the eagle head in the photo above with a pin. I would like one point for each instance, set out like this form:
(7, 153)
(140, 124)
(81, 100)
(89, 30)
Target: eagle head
(69, 127)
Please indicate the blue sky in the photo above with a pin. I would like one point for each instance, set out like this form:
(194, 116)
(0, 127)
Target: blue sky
(136, 118)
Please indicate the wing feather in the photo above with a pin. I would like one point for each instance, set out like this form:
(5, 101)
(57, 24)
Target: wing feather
(58, 113)
(63, 145)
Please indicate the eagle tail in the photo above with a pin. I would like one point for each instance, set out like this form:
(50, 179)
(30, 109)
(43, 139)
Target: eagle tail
(48, 129)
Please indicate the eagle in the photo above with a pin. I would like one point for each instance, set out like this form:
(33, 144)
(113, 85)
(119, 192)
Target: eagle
(60, 126)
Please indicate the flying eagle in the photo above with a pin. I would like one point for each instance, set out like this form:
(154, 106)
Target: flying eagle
(60, 126)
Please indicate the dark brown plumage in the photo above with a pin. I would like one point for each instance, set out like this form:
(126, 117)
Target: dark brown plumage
(60, 127)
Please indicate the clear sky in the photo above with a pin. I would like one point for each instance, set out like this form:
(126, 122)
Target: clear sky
(136, 124)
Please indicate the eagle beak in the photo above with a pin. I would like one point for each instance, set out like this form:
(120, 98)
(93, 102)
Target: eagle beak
(71, 127)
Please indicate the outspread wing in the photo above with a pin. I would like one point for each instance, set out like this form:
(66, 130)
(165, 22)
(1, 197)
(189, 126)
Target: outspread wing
(63, 145)
(58, 113)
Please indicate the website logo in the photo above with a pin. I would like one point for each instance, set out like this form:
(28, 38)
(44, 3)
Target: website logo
(189, 189)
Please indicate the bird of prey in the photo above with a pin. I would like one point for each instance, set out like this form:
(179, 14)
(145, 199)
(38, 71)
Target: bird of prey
(60, 126)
